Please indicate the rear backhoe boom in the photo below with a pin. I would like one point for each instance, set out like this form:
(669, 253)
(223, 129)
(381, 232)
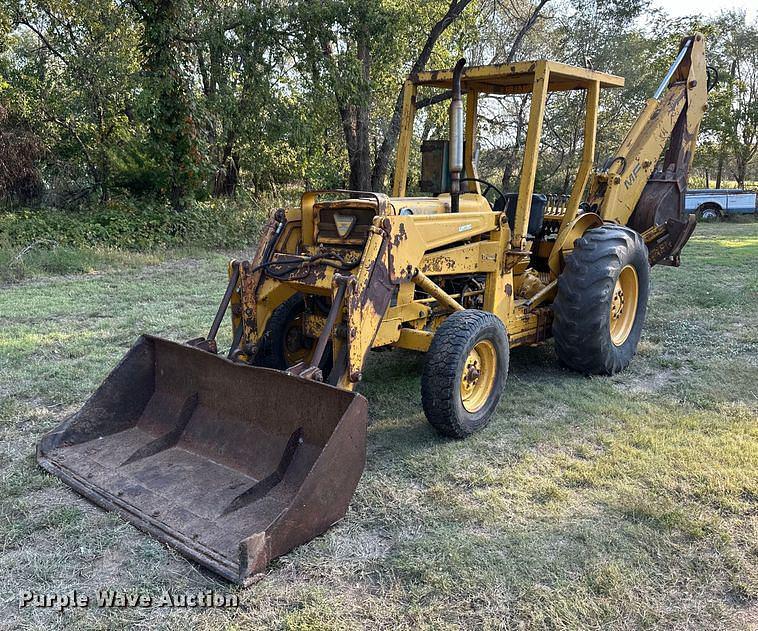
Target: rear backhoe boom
(235, 460)
(637, 188)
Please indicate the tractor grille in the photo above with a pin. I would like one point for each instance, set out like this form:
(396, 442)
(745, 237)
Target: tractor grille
(340, 223)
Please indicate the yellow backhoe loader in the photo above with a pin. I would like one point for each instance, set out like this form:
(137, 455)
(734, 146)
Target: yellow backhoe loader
(236, 458)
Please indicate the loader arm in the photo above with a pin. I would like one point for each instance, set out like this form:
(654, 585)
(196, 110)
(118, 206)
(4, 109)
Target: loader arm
(635, 187)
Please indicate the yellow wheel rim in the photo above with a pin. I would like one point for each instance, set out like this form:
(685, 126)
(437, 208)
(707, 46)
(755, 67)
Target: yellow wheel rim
(624, 305)
(478, 376)
(296, 347)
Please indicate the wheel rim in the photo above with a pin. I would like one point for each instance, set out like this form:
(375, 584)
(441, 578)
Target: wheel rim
(295, 348)
(709, 214)
(624, 305)
(478, 378)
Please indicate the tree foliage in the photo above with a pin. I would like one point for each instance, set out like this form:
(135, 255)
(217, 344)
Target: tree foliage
(183, 100)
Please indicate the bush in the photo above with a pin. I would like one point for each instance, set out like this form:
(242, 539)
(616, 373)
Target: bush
(137, 226)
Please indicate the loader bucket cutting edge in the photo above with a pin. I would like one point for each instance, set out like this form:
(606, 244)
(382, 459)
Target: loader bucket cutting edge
(230, 464)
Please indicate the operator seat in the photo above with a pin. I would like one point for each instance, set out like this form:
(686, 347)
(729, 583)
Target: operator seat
(536, 213)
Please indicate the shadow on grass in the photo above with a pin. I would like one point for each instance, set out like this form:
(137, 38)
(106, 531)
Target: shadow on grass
(530, 413)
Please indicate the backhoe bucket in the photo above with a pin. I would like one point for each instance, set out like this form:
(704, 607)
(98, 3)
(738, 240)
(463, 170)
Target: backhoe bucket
(230, 464)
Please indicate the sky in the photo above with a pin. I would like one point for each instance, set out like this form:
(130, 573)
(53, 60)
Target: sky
(681, 8)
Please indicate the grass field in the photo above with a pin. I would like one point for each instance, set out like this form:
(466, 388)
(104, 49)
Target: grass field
(622, 502)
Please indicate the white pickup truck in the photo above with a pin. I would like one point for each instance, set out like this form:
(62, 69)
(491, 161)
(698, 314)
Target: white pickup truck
(716, 203)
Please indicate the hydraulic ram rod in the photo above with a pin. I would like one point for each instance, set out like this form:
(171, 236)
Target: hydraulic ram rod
(665, 82)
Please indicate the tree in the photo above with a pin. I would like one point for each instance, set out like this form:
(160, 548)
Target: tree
(166, 99)
(74, 80)
(742, 47)
(358, 49)
(454, 11)
(180, 99)
(19, 150)
(238, 50)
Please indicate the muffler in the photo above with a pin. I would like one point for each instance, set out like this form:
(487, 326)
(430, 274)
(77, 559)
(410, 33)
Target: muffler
(230, 464)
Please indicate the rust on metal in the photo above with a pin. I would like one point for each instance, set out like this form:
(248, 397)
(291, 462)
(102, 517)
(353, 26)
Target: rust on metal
(252, 274)
(427, 285)
(665, 241)
(217, 459)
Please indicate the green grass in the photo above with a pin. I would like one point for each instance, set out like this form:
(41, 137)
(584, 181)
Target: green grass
(45, 257)
(622, 502)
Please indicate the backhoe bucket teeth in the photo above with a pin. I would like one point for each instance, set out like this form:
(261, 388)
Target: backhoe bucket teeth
(230, 464)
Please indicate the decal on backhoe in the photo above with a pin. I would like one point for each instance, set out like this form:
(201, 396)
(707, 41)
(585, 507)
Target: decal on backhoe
(465, 227)
(632, 176)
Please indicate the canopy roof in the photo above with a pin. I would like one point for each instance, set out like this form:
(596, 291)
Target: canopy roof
(518, 78)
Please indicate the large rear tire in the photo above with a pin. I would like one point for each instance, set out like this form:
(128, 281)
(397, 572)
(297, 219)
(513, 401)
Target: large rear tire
(601, 301)
(465, 372)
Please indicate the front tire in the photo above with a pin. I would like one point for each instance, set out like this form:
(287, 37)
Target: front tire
(601, 301)
(465, 372)
(284, 344)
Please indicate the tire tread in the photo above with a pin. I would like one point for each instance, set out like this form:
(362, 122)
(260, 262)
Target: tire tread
(582, 300)
(438, 380)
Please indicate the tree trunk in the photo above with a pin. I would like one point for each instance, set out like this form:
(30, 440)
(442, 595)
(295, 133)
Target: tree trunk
(740, 172)
(358, 135)
(510, 165)
(350, 127)
(379, 171)
(104, 180)
(507, 176)
(227, 172)
(172, 127)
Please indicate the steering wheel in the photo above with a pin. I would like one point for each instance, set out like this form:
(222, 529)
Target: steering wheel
(488, 186)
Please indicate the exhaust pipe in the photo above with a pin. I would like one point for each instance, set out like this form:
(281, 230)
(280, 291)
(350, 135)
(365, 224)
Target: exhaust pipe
(455, 153)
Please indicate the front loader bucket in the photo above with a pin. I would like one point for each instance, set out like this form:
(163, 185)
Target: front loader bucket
(230, 464)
